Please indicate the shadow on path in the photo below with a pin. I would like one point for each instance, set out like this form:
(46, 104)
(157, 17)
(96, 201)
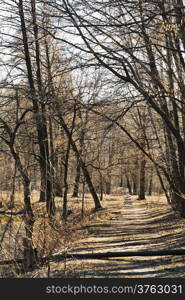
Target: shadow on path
(133, 226)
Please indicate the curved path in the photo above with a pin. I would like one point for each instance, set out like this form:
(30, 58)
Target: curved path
(132, 226)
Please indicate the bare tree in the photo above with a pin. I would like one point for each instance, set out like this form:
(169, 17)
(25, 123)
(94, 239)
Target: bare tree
(140, 45)
(38, 109)
(8, 136)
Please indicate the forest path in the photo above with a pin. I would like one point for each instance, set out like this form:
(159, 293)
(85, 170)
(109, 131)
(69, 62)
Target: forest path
(132, 226)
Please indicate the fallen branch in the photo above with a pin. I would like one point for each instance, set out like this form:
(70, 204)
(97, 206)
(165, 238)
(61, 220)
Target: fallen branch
(101, 255)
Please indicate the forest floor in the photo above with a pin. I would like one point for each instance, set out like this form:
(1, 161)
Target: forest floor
(132, 225)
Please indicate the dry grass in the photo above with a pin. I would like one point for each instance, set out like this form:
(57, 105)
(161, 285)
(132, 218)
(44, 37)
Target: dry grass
(48, 238)
(118, 226)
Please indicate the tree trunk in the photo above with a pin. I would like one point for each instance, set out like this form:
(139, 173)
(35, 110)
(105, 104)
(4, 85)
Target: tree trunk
(83, 199)
(150, 187)
(90, 186)
(121, 181)
(12, 196)
(64, 212)
(135, 184)
(108, 185)
(58, 189)
(177, 173)
(58, 185)
(128, 185)
(178, 203)
(77, 178)
(29, 251)
(46, 193)
(142, 181)
(101, 187)
(77, 181)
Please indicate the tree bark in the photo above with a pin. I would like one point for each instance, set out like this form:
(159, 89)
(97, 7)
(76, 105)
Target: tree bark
(150, 187)
(128, 185)
(77, 181)
(66, 165)
(121, 180)
(12, 195)
(101, 186)
(177, 201)
(108, 185)
(141, 195)
(58, 184)
(135, 184)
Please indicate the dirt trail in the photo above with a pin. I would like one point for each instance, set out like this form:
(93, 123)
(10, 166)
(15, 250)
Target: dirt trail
(132, 226)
